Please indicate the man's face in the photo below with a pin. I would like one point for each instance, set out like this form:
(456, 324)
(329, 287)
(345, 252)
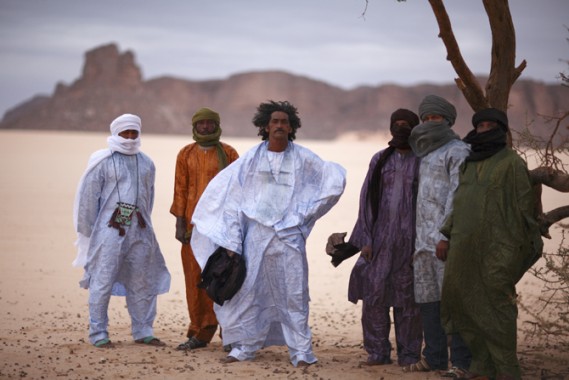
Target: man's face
(130, 134)
(279, 125)
(432, 117)
(485, 126)
(401, 124)
(205, 127)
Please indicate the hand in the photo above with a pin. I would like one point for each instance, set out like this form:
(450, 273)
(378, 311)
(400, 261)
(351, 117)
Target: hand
(334, 239)
(442, 250)
(338, 249)
(182, 230)
(367, 253)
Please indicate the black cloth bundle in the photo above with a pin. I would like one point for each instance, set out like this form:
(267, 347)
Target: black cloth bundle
(223, 275)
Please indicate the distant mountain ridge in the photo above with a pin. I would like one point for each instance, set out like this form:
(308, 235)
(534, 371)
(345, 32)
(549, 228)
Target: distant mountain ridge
(111, 84)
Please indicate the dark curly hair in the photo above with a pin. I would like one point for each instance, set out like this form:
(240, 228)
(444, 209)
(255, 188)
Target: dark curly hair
(263, 116)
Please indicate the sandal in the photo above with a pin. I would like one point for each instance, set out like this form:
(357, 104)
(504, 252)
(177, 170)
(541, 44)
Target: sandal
(191, 344)
(151, 341)
(420, 366)
(371, 362)
(104, 343)
(458, 373)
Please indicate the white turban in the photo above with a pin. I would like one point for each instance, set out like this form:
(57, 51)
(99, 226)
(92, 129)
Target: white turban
(124, 123)
(116, 144)
(120, 124)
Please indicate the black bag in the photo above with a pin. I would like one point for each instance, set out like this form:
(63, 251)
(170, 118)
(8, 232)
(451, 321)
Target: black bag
(223, 275)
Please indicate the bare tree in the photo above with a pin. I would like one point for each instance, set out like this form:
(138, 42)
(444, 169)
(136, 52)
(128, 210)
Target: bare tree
(503, 74)
(550, 172)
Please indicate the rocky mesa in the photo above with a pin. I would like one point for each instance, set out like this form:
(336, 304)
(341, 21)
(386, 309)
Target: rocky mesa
(111, 83)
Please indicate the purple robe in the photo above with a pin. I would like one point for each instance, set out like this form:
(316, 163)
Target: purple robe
(387, 281)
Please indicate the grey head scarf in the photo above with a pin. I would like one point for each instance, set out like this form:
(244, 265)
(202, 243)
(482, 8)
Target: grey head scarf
(431, 135)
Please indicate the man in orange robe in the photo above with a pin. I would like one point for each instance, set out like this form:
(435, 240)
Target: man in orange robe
(196, 165)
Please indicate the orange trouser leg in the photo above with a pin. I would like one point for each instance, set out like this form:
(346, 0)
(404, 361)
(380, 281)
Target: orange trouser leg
(203, 322)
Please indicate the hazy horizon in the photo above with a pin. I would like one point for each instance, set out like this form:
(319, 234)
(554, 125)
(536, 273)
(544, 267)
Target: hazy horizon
(331, 41)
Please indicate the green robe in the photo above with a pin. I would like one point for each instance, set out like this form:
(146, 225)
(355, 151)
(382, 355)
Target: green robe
(494, 239)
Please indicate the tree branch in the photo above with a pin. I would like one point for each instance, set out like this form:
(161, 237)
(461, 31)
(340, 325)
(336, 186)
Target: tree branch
(550, 177)
(467, 82)
(552, 217)
(503, 72)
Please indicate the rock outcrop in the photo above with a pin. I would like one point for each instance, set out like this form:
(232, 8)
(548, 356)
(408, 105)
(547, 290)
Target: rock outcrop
(111, 84)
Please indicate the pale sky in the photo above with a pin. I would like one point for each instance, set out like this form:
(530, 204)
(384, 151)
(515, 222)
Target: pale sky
(42, 42)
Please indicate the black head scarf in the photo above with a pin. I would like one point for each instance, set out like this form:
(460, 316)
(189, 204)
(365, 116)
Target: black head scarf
(490, 114)
(487, 144)
(400, 140)
(400, 134)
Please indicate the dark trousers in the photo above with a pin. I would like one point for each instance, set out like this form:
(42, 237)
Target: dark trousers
(436, 344)
(376, 325)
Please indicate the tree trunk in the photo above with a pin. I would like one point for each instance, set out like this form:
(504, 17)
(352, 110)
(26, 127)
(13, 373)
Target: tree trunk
(503, 75)
(503, 72)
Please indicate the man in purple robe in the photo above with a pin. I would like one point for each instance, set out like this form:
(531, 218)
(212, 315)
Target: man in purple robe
(385, 233)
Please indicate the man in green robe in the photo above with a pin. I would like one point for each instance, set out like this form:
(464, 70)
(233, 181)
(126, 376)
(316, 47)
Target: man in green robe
(494, 239)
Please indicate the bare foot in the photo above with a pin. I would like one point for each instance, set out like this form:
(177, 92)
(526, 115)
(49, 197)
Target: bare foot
(228, 360)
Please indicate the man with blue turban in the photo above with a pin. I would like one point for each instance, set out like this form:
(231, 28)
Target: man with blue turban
(441, 152)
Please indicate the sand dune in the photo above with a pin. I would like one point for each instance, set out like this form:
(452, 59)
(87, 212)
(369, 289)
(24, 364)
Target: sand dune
(44, 313)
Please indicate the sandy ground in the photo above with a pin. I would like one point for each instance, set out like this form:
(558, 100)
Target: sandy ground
(44, 315)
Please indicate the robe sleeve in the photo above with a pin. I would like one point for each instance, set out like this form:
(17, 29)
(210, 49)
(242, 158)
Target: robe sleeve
(329, 187)
(525, 199)
(178, 208)
(152, 188)
(362, 231)
(231, 153)
(456, 157)
(216, 218)
(89, 201)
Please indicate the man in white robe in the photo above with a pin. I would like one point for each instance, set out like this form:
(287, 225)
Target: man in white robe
(263, 206)
(117, 246)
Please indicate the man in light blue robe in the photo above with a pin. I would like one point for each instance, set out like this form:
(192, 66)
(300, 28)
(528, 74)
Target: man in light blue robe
(441, 152)
(263, 206)
(116, 243)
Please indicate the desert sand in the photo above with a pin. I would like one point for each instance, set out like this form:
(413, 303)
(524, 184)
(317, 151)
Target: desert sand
(44, 314)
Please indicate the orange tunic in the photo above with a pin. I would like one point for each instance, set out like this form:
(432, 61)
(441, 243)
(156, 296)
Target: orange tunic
(195, 167)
